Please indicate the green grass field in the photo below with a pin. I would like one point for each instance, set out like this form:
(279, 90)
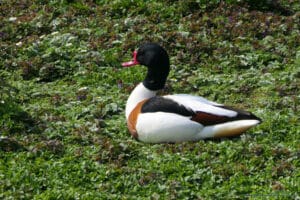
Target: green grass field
(63, 91)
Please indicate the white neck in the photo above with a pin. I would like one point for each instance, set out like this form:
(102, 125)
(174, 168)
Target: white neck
(139, 94)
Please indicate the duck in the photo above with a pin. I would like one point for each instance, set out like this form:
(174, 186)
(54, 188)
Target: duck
(176, 118)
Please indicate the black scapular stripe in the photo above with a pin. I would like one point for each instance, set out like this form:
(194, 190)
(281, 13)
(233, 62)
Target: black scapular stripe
(161, 104)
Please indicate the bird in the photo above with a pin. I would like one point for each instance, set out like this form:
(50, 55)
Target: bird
(176, 118)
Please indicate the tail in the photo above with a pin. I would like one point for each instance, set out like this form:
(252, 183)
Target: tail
(228, 129)
(231, 126)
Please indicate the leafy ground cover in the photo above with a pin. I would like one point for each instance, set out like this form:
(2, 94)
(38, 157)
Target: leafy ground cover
(63, 94)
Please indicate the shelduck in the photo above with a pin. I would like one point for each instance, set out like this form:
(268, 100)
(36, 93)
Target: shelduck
(179, 117)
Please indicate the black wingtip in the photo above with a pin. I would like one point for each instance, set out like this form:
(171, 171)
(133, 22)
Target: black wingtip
(259, 119)
(249, 115)
(256, 118)
(243, 114)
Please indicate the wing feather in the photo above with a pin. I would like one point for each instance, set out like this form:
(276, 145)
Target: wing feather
(200, 104)
(198, 109)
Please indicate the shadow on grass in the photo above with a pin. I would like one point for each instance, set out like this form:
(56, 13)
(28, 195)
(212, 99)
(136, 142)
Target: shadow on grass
(14, 121)
(269, 6)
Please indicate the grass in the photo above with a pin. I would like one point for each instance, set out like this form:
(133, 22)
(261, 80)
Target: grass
(63, 94)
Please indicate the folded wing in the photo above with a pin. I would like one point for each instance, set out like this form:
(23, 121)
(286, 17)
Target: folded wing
(197, 108)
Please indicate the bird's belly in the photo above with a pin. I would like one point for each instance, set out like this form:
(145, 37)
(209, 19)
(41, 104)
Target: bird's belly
(158, 127)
